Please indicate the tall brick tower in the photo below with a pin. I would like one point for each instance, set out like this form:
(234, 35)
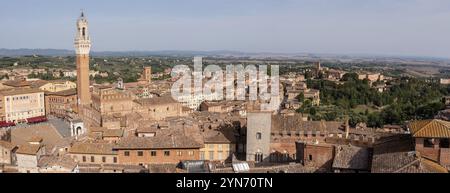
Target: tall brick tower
(82, 49)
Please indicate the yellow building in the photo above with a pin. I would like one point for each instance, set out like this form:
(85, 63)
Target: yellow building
(217, 146)
(19, 104)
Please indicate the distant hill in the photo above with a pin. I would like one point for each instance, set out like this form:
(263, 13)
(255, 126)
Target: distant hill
(237, 54)
(42, 52)
(62, 52)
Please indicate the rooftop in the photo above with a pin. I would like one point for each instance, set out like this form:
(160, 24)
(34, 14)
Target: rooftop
(351, 157)
(68, 92)
(18, 91)
(29, 149)
(92, 148)
(165, 99)
(7, 145)
(45, 131)
(433, 128)
(160, 142)
(296, 123)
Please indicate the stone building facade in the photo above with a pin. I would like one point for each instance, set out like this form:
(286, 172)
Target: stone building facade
(258, 136)
(17, 105)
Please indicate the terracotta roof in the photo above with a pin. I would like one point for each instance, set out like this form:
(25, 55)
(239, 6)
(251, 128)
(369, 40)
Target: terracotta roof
(398, 156)
(433, 128)
(38, 83)
(18, 91)
(28, 149)
(125, 168)
(64, 161)
(68, 92)
(165, 99)
(7, 145)
(99, 168)
(219, 137)
(97, 129)
(113, 133)
(350, 157)
(17, 83)
(162, 168)
(101, 87)
(159, 142)
(296, 123)
(36, 139)
(47, 132)
(107, 132)
(405, 162)
(131, 85)
(92, 148)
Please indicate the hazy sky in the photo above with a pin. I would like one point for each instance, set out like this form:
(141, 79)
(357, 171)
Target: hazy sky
(394, 27)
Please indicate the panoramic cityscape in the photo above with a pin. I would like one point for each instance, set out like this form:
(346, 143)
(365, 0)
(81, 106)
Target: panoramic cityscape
(246, 109)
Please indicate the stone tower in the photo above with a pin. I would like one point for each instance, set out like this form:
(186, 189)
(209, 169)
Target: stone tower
(147, 75)
(259, 127)
(82, 49)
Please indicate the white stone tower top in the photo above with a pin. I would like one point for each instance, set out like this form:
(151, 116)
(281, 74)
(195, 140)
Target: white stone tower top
(82, 39)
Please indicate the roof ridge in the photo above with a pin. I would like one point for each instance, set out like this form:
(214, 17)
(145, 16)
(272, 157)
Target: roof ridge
(421, 128)
(407, 165)
(443, 123)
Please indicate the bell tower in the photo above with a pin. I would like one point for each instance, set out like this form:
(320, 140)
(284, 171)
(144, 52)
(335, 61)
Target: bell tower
(82, 49)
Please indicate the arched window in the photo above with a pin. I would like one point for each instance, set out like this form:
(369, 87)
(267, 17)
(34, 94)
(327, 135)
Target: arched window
(84, 31)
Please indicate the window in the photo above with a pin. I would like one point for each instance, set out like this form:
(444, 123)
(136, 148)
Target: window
(126, 153)
(202, 155)
(211, 146)
(220, 146)
(84, 158)
(310, 157)
(428, 142)
(103, 159)
(140, 153)
(211, 155)
(444, 143)
(153, 153)
(258, 136)
(219, 155)
(115, 159)
(179, 153)
(166, 153)
(92, 159)
(190, 153)
(258, 157)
